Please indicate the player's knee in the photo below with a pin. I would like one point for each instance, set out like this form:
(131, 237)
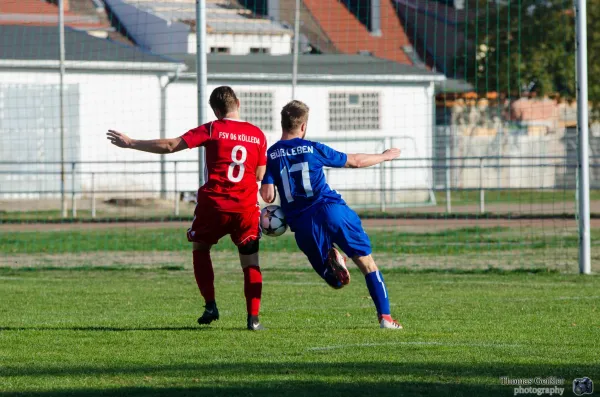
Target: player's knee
(198, 246)
(249, 247)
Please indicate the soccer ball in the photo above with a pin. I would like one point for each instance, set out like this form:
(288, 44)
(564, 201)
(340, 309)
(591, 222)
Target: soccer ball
(272, 221)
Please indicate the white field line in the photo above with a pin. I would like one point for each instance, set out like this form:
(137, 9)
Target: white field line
(531, 299)
(508, 299)
(277, 282)
(416, 343)
(30, 278)
(558, 298)
(297, 283)
(483, 282)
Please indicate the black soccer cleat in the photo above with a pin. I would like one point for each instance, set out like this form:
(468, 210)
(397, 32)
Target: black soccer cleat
(211, 313)
(254, 324)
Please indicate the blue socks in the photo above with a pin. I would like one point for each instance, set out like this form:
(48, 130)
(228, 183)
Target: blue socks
(378, 292)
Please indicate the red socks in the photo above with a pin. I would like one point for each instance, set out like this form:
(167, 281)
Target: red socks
(205, 277)
(252, 289)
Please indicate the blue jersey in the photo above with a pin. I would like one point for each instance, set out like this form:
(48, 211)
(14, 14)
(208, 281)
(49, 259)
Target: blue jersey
(295, 166)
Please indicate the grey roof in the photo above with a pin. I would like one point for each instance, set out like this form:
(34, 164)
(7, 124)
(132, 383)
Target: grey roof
(220, 18)
(308, 65)
(41, 43)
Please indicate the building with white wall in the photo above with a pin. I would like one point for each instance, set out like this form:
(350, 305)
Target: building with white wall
(107, 84)
(358, 104)
(169, 27)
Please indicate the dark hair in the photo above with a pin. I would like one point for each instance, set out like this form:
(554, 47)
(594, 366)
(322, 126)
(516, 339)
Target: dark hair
(223, 99)
(293, 115)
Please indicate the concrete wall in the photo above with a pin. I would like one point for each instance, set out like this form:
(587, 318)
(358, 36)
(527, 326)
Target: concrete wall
(531, 131)
(534, 170)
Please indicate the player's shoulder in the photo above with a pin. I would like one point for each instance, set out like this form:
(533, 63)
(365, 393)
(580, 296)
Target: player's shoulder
(313, 143)
(319, 146)
(237, 130)
(243, 125)
(290, 147)
(274, 146)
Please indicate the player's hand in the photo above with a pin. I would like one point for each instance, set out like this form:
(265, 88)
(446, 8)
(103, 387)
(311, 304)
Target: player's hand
(391, 154)
(118, 139)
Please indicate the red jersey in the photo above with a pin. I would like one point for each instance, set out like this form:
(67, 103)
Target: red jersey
(234, 149)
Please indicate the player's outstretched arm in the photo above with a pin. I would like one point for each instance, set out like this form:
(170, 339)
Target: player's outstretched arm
(160, 146)
(267, 192)
(362, 160)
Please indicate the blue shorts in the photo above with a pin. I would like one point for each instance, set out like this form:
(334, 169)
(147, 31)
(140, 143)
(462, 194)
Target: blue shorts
(331, 223)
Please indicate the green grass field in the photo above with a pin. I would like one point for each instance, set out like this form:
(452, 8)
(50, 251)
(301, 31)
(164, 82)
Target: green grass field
(133, 332)
(111, 311)
(446, 242)
(543, 248)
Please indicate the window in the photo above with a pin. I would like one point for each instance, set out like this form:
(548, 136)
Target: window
(353, 111)
(354, 100)
(220, 50)
(257, 108)
(259, 50)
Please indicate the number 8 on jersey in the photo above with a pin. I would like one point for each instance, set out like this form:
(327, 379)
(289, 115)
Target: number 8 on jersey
(237, 163)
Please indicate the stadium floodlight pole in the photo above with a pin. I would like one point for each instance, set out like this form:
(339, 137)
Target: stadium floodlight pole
(296, 49)
(61, 39)
(582, 125)
(201, 76)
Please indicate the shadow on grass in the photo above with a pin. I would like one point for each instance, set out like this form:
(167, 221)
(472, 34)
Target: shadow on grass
(289, 379)
(117, 329)
(290, 389)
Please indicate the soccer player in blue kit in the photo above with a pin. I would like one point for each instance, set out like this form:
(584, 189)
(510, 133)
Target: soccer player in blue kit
(318, 215)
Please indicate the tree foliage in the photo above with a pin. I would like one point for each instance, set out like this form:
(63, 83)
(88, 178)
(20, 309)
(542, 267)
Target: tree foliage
(520, 46)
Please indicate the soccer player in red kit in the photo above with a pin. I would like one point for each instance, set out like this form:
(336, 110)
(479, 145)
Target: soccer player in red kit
(227, 202)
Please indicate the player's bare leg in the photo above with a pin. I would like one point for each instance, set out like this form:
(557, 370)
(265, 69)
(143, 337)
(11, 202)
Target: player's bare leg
(252, 282)
(377, 290)
(205, 278)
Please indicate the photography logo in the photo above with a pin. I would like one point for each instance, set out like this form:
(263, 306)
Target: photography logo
(583, 386)
(539, 386)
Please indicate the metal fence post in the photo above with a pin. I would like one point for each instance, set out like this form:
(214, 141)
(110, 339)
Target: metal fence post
(176, 192)
(448, 182)
(391, 168)
(481, 190)
(577, 192)
(93, 195)
(382, 172)
(73, 202)
(201, 78)
(581, 64)
(61, 71)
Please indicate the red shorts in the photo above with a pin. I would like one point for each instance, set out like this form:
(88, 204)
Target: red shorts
(209, 225)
